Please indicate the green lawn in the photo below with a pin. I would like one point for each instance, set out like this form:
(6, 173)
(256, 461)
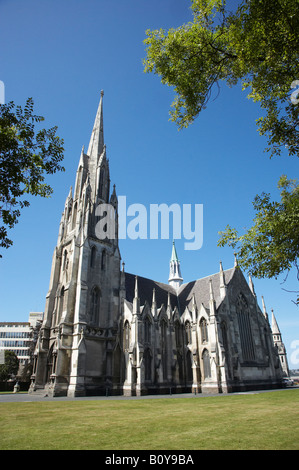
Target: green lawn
(259, 421)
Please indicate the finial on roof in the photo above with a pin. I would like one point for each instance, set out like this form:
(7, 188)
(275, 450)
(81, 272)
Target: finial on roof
(136, 287)
(222, 282)
(264, 309)
(96, 143)
(275, 328)
(174, 256)
(251, 286)
(136, 300)
(168, 300)
(175, 278)
(211, 290)
(154, 296)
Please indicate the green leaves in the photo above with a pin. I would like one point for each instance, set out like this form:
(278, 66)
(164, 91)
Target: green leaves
(271, 245)
(10, 367)
(26, 156)
(257, 45)
(254, 43)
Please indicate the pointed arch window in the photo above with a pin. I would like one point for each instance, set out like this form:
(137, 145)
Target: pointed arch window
(93, 256)
(206, 364)
(69, 212)
(246, 338)
(95, 306)
(163, 326)
(61, 303)
(189, 366)
(148, 364)
(102, 191)
(64, 260)
(147, 330)
(126, 337)
(103, 260)
(78, 183)
(178, 334)
(188, 332)
(224, 337)
(203, 330)
(75, 216)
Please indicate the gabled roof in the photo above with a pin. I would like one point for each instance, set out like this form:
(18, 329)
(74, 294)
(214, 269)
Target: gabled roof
(145, 291)
(200, 288)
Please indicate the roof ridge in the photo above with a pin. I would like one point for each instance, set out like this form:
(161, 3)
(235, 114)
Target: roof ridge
(206, 277)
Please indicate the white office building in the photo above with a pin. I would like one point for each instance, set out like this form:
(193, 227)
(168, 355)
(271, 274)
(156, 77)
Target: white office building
(18, 336)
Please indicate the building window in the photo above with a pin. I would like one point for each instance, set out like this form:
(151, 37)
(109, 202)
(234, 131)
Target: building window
(189, 367)
(148, 364)
(163, 326)
(64, 260)
(69, 213)
(178, 334)
(74, 216)
(61, 303)
(203, 330)
(103, 260)
(147, 330)
(93, 256)
(95, 306)
(101, 183)
(206, 364)
(246, 338)
(188, 332)
(126, 338)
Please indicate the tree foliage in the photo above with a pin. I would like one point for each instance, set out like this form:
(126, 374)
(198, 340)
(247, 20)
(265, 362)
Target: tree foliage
(252, 43)
(26, 156)
(10, 366)
(255, 45)
(271, 246)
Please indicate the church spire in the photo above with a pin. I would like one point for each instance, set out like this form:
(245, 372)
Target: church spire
(278, 343)
(96, 144)
(275, 328)
(264, 309)
(175, 277)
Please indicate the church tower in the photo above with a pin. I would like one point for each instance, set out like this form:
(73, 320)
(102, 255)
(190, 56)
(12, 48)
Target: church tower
(108, 332)
(75, 351)
(175, 277)
(278, 343)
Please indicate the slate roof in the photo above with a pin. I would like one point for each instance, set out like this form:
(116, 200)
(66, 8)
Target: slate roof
(200, 288)
(145, 291)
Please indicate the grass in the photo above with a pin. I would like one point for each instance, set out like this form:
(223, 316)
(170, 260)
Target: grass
(260, 421)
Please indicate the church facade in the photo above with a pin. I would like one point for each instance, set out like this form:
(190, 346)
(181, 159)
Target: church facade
(106, 331)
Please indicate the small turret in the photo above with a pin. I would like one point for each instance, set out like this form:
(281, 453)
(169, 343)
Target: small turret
(175, 277)
(96, 143)
(277, 339)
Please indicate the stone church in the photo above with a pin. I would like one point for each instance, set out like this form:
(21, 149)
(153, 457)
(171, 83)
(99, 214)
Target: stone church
(106, 331)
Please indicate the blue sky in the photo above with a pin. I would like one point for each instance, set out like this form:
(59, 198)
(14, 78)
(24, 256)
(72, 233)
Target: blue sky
(62, 53)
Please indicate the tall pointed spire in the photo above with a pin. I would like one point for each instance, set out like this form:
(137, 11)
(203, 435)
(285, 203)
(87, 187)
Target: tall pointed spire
(264, 309)
(278, 343)
(174, 256)
(212, 302)
(136, 300)
(222, 282)
(96, 144)
(175, 277)
(275, 328)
